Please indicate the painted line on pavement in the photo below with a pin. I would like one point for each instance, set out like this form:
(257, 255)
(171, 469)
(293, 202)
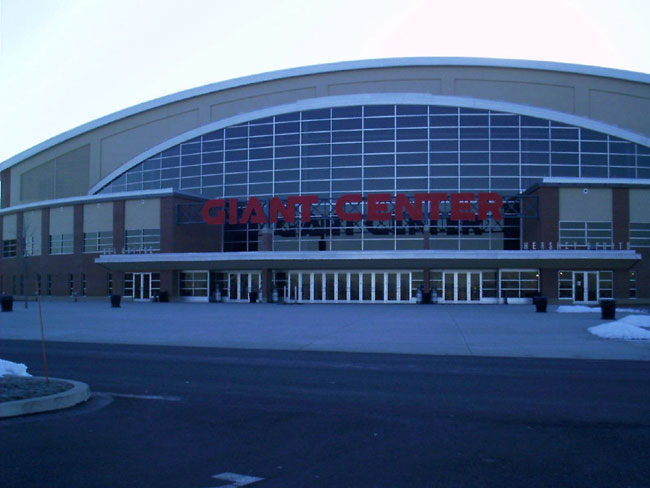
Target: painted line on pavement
(237, 480)
(141, 397)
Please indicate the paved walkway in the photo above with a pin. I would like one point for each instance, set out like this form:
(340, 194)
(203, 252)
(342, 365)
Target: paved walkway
(478, 330)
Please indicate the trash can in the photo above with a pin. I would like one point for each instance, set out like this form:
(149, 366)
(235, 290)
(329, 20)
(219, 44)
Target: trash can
(253, 297)
(608, 309)
(163, 297)
(7, 302)
(115, 301)
(540, 304)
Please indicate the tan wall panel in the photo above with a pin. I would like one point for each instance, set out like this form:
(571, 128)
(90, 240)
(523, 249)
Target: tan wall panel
(72, 173)
(9, 227)
(32, 230)
(61, 220)
(119, 148)
(619, 109)
(640, 206)
(142, 214)
(98, 217)
(61, 177)
(595, 205)
(235, 107)
(38, 183)
(387, 86)
(556, 97)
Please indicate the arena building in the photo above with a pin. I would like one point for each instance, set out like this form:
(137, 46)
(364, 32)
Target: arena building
(467, 180)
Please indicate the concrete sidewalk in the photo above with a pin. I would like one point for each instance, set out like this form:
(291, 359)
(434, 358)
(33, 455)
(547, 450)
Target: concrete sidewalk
(474, 330)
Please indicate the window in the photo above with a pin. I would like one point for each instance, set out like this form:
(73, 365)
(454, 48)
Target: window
(70, 284)
(639, 234)
(83, 284)
(142, 240)
(565, 284)
(193, 283)
(31, 247)
(585, 234)
(98, 241)
(606, 284)
(128, 284)
(38, 283)
(109, 283)
(48, 290)
(519, 284)
(632, 284)
(9, 248)
(489, 284)
(62, 244)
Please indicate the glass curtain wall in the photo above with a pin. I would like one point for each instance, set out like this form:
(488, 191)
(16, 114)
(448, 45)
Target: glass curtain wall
(383, 148)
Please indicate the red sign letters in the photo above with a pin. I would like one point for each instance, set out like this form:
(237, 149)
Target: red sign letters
(224, 210)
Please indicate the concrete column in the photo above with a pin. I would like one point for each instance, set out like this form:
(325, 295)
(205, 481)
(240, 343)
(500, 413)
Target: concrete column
(78, 220)
(45, 232)
(548, 284)
(267, 285)
(118, 225)
(20, 243)
(118, 282)
(266, 238)
(426, 280)
(167, 225)
(621, 284)
(5, 178)
(621, 211)
(168, 283)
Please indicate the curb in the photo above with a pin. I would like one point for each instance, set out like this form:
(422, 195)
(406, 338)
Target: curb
(80, 392)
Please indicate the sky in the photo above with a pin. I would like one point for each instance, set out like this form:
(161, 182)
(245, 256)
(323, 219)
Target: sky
(64, 63)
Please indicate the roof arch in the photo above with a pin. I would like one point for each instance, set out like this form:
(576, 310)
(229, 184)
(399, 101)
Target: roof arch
(329, 68)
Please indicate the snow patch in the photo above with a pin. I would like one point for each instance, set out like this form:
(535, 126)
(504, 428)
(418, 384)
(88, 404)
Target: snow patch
(584, 308)
(576, 309)
(14, 369)
(632, 327)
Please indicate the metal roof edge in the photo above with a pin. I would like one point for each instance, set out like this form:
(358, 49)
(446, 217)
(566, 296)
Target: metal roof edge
(60, 202)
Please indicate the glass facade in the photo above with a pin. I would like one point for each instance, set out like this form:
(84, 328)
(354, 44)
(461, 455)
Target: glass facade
(98, 241)
(61, 244)
(384, 148)
(366, 149)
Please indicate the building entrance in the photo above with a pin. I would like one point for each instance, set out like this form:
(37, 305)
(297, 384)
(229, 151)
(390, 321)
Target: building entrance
(241, 285)
(585, 286)
(141, 286)
(354, 286)
(462, 286)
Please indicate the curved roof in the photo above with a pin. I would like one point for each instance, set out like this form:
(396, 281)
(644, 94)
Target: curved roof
(326, 68)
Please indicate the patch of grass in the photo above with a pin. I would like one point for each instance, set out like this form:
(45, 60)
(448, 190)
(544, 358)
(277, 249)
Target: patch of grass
(20, 388)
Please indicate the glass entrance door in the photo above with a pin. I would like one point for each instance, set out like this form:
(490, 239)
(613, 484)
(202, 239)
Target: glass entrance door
(141, 286)
(344, 286)
(462, 286)
(240, 285)
(585, 286)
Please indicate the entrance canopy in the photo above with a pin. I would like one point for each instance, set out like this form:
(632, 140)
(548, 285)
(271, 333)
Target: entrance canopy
(418, 259)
